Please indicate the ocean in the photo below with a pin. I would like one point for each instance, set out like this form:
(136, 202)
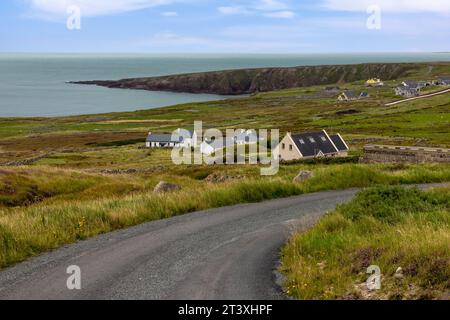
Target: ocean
(35, 85)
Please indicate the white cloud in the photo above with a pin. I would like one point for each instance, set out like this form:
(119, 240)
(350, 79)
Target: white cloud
(170, 14)
(268, 8)
(233, 10)
(281, 14)
(399, 6)
(95, 7)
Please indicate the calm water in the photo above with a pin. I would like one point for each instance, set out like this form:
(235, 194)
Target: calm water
(35, 85)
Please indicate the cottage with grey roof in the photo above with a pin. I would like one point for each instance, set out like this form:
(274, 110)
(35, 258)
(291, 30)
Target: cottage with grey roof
(178, 139)
(407, 92)
(444, 81)
(411, 88)
(412, 84)
(350, 95)
(162, 140)
(311, 145)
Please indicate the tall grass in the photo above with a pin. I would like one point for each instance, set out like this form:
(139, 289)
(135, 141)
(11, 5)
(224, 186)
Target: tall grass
(386, 226)
(27, 232)
(360, 176)
(81, 205)
(29, 185)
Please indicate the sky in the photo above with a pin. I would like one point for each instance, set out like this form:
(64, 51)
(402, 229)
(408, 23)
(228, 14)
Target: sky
(216, 26)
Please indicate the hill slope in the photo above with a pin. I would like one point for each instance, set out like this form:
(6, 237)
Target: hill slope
(246, 81)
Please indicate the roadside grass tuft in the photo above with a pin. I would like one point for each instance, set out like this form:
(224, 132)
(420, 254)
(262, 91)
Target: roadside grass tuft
(390, 227)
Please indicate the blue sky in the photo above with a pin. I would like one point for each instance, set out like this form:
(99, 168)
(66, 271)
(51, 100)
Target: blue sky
(234, 26)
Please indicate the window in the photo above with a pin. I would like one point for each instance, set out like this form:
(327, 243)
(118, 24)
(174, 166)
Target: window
(323, 138)
(283, 146)
(311, 139)
(302, 141)
(290, 147)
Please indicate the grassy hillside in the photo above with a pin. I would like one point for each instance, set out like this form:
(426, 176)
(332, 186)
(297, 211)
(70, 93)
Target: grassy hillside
(246, 81)
(312, 108)
(68, 178)
(389, 227)
(42, 208)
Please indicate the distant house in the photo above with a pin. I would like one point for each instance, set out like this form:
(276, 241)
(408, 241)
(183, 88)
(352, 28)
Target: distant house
(179, 139)
(407, 92)
(423, 84)
(188, 139)
(418, 85)
(350, 95)
(213, 146)
(364, 95)
(207, 148)
(162, 140)
(412, 84)
(374, 83)
(246, 137)
(311, 145)
(444, 81)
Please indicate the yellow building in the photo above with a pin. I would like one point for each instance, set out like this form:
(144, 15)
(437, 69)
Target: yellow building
(374, 82)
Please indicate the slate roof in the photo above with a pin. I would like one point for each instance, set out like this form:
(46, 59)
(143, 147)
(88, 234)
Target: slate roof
(162, 138)
(351, 94)
(339, 142)
(412, 84)
(364, 95)
(311, 144)
(223, 143)
(407, 90)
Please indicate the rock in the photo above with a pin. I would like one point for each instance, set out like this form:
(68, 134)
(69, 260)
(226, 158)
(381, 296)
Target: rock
(399, 274)
(166, 187)
(322, 265)
(26, 162)
(219, 178)
(303, 176)
(119, 171)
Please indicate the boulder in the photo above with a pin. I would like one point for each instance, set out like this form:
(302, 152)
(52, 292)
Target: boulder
(166, 187)
(220, 177)
(303, 176)
(399, 274)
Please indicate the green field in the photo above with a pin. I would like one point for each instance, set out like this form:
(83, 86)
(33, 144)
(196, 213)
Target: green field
(422, 122)
(69, 178)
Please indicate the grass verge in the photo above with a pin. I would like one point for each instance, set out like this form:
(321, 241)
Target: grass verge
(81, 205)
(29, 231)
(390, 227)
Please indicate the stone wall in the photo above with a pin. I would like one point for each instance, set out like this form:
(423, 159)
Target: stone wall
(397, 154)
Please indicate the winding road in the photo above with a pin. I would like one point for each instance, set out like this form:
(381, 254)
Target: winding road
(227, 254)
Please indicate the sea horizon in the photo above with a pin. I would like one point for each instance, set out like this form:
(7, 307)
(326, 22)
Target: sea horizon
(35, 84)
